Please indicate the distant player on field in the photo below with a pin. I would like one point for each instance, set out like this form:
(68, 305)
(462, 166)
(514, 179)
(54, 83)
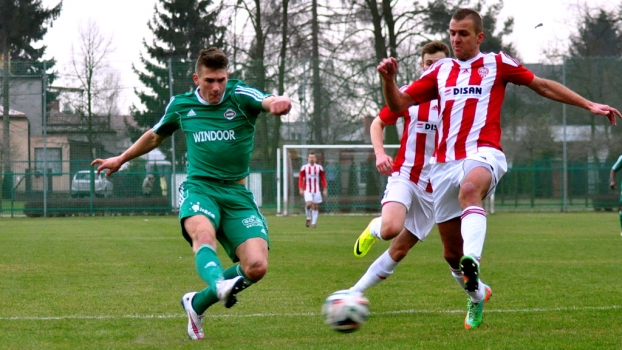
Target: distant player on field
(218, 119)
(469, 161)
(612, 183)
(407, 207)
(312, 185)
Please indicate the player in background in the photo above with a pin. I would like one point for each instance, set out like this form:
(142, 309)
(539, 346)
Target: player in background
(469, 161)
(612, 183)
(312, 185)
(218, 118)
(407, 208)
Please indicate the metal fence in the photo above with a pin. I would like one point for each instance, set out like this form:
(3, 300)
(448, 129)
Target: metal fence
(356, 188)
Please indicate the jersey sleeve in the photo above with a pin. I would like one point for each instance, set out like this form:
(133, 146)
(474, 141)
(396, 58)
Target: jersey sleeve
(250, 99)
(389, 117)
(301, 178)
(169, 121)
(426, 88)
(513, 71)
(617, 165)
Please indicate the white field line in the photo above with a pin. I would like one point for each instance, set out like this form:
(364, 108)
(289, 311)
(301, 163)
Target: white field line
(294, 314)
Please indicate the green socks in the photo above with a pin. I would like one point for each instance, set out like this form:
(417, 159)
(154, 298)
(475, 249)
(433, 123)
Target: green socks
(234, 271)
(210, 271)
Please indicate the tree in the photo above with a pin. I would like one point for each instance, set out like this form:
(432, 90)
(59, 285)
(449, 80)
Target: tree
(389, 30)
(318, 115)
(22, 22)
(254, 71)
(100, 88)
(276, 139)
(593, 70)
(182, 28)
(598, 35)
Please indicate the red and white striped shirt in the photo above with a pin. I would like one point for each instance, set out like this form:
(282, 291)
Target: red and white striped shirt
(470, 95)
(417, 143)
(311, 177)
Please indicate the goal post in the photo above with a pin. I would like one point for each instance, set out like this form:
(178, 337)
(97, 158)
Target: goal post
(354, 184)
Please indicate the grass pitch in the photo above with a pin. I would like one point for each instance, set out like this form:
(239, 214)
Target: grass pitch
(116, 283)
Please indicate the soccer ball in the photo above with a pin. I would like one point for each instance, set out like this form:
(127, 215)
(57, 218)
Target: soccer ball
(345, 310)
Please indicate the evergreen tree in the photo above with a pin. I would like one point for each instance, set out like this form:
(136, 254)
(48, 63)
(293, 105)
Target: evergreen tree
(593, 70)
(598, 35)
(22, 22)
(182, 28)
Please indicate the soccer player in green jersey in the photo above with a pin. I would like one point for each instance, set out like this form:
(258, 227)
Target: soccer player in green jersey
(218, 119)
(612, 183)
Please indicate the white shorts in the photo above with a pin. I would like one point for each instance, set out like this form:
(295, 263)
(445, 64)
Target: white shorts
(419, 206)
(446, 179)
(313, 197)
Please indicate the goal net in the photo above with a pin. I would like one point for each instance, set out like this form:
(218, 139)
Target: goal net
(353, 183)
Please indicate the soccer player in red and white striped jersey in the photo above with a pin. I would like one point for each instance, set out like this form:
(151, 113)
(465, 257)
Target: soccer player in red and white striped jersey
(469, 160)
(407, 210)
(312, 184)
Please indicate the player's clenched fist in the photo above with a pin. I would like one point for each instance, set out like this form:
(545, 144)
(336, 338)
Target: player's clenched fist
(384, 164)
(280, 105)
(388, 68)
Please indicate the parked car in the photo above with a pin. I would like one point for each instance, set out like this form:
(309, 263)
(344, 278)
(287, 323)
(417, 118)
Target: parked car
(81, 184)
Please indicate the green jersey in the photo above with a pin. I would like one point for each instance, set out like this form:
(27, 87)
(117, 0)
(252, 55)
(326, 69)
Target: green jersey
(219, 137)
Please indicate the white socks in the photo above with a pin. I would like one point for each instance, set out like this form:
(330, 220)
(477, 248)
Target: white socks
(377, 272)
(308, 213)
(479, 294)
(473, 221)
(475, 296)
(473, 231)
(457, 275)
(314, 214)
(374, 227)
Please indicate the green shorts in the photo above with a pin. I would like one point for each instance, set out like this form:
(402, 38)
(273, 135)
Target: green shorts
(231, 208)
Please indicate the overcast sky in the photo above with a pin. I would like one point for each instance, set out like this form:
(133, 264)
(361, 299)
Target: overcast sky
(125, 21)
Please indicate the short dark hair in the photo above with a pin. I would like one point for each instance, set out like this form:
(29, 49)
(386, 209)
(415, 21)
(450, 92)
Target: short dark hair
(211, 58)
(475, 17)
(433, 47)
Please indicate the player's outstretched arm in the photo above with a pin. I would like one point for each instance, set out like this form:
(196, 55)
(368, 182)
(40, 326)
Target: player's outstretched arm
(147, 142)
(277, 105)
(384, 162)
(612, 179)
(396, 100)
(558, 92)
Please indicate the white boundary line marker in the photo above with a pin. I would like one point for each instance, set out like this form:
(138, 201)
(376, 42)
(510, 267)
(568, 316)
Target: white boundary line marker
(395, 312)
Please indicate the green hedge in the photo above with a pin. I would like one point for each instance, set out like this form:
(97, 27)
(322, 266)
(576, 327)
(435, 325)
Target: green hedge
(99, 206)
